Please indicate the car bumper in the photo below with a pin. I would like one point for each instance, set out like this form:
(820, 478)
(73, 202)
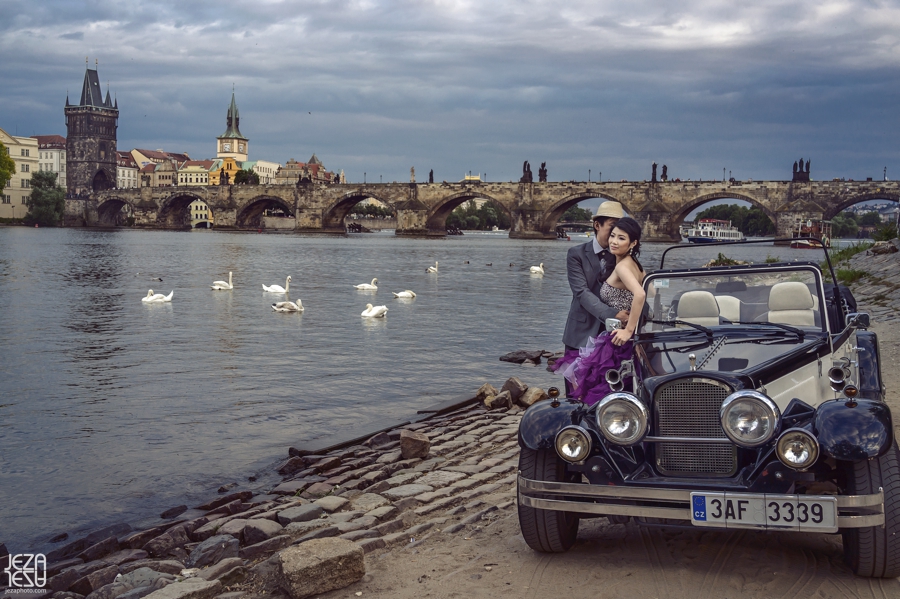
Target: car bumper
(854, 511)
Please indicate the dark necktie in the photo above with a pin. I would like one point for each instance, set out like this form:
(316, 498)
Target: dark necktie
(605, 269)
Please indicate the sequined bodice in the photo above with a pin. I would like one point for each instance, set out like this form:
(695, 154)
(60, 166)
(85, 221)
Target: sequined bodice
(620, 299)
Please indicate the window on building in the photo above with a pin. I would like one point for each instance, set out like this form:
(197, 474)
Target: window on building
(25, 199)
(7, 199)
(25, 168)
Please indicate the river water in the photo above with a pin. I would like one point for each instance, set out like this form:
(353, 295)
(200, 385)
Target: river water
(112, 410)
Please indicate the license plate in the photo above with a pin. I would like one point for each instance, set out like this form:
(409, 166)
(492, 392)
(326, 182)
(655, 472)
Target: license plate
(802, 513)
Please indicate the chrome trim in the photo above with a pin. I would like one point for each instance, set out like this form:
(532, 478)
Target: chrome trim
(873, 502)
(718, 440)
(744, 394)
(815, 451)
(630, 399)
(584, 433)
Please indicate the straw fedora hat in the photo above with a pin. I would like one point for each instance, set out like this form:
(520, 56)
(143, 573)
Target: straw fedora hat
(610, 209)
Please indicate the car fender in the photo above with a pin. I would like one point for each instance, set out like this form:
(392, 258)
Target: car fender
(870, 385)
(541, 422)
(854, 430)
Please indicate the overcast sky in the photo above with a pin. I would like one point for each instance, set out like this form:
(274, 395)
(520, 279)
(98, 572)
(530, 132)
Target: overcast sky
(378, 86)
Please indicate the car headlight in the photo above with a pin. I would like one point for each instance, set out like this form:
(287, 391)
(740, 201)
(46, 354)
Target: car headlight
(797, 449)
(622, 418)
(749, 418)
(573, 444)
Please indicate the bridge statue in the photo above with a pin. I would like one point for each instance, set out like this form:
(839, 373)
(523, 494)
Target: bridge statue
(412, 174)
(665, 173)
(542, 173)
(653, 175)
(431, 176)
(526, 173)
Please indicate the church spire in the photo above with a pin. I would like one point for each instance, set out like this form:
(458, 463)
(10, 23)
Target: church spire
(233, 121)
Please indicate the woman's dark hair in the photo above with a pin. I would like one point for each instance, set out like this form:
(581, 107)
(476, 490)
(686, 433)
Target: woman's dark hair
(630, 227)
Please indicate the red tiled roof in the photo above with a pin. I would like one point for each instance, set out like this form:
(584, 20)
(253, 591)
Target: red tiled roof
(207, 164)
(149, 168)
(163, 155)
(125, 159)
(56, 142)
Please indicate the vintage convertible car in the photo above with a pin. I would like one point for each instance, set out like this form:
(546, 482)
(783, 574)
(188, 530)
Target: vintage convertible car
(754, 400)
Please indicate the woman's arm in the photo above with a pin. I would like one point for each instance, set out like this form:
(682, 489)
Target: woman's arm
(625, 270)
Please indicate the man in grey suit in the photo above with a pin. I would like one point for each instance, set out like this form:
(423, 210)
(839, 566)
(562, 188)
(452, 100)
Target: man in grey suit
(588, 265)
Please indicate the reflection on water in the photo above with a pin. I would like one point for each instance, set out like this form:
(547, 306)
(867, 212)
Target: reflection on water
(114, 410)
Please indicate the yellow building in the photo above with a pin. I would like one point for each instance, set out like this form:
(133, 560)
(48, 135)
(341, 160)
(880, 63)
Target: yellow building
(201, 215)
(25, 153)
(194, 172)
(228, 166)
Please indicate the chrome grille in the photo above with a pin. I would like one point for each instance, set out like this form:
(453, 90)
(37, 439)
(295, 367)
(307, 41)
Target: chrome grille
(690, 408)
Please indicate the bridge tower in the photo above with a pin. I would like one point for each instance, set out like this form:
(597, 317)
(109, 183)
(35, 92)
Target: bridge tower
(91, 138)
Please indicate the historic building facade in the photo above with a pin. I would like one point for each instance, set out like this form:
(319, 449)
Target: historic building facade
(24, 152)
(52, 156)
(232, 144)
(91, 139)
(126, 171)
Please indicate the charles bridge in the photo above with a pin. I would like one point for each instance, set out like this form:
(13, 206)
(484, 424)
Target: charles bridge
(422, 208)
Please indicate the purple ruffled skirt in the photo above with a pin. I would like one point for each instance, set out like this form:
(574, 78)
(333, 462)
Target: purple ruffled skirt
(586, 368)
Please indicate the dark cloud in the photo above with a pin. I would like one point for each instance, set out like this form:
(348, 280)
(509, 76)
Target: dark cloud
(459, 86)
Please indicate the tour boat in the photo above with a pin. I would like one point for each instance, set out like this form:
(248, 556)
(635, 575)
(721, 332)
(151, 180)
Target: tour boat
(818, 229)
(710, 230)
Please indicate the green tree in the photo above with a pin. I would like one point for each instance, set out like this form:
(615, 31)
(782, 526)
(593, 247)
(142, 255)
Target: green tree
(844, 225)
(7, 166)
(244, 177)
(752, 222)
(47, 202)
(870, 219)
(576, 214)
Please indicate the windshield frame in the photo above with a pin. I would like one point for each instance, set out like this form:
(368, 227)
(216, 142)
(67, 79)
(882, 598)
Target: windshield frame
(747, 269)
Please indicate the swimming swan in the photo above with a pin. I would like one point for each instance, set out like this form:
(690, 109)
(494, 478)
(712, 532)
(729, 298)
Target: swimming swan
(222, 285)
(157, 298)
(368, 286)
(538, 270)
(288, 306)
(432, 268)
(374, 311)
(279, 288)
(404, 294)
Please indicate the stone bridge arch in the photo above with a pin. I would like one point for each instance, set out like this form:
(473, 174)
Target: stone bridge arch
(557, 209)
(251, 212)
(109, 209)
(681, 213)
(174, 212)
(838, 207)
(333, 216)
(440, 211)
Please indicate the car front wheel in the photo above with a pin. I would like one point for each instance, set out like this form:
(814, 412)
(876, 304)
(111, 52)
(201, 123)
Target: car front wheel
(547, 531)
(875, 551)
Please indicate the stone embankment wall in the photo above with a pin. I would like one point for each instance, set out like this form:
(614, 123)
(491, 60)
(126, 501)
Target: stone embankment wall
(878, 292)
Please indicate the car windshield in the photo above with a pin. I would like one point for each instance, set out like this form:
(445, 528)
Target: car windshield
(782, 301)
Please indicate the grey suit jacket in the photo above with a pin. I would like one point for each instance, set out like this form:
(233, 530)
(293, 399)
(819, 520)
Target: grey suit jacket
(587, 313)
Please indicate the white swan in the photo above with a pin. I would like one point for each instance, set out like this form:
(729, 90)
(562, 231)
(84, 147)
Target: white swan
(404, 294)
(222, 285)
(432, 268)
(374, 311)
(288, 306)
(538, 270)
(156, 298)
(368, 286)
(279, 288)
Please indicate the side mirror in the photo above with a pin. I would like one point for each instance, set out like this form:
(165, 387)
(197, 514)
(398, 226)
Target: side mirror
(857, 320)
(613, 324)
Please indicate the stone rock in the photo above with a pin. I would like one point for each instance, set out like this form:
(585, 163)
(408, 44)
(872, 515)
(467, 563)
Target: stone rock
(328, 531)
(212, 550)
(331, 504)
(296, 529)
(206, 531)
(172, 512)
(124, 556)
(389, 457)
(233, 576)
(191, 588)
(62, 581)
(234, 528)
(93, 581)
(379, 440)
(414, 445)
(485, 391)
(52, 569)
(300, 513)
(368, 502)
(291, 487)
(104, 547)
(216, 570)
(268, 546)
(410, 490)
(257, 531)
(515, 387)
(139, 539)
(326, 464)
(440, 478)
(137, 593)
(166, 566)
(319, 566)
(383, 512)
(161, 545)
(79, 545)
(532, 396)
(143, 577)
(219, 502)
(517, 357)
(316, 490)
(110, 591)
(501, 400)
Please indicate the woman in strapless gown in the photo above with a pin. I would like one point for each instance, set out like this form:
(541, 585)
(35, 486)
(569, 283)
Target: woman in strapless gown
(586, 367)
